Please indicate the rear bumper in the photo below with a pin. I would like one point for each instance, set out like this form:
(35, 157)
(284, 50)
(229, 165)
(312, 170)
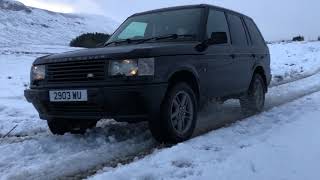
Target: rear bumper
(123, 103)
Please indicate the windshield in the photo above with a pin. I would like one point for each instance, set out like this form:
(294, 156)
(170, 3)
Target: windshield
(180, 22)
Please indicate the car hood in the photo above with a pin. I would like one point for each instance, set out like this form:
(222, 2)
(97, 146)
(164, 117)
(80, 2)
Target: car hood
(127, 51)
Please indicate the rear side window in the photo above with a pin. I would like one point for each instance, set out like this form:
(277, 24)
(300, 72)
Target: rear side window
(238, 33)
(255, 35)
(217, 22)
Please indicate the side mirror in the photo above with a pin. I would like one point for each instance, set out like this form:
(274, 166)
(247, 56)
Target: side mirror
(218, 38)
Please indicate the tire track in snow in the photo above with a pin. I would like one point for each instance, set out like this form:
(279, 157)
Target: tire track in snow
(28, 123)
(10, 139)
(52, 157)
(115, 163)
(276, 83)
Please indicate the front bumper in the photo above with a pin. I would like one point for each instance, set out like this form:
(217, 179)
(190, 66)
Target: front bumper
(123, 103)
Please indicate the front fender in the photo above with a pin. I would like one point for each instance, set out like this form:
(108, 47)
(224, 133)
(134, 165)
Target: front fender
(187, 68)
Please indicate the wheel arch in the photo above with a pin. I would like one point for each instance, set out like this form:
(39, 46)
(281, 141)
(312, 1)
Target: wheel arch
(187, 75)
(258, 69)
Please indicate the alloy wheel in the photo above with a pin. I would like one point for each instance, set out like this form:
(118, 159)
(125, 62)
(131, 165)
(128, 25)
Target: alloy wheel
(182, 112)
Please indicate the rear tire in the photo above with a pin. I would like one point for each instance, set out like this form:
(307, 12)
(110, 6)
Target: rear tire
(62, 126)
(253, 101)
(178, 115)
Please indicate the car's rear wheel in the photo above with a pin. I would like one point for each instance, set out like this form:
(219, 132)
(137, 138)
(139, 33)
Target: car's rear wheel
(62, 126)
(178, 115)
(253, 101)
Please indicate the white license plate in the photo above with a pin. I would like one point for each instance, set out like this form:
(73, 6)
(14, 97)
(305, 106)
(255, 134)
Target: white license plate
(68, 95)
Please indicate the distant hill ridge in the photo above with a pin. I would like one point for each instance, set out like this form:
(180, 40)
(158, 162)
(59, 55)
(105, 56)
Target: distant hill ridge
(20, 24)
(14, 6)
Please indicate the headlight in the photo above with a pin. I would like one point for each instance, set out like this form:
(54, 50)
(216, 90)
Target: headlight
(132, 67)
(38, 72)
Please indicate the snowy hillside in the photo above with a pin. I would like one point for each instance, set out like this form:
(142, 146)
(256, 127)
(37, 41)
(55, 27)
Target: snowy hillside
(20, 24)
(280, 143)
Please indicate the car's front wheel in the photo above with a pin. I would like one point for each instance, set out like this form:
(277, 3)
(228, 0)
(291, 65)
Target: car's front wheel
(62, 126)
(253, 101)
(178, 115)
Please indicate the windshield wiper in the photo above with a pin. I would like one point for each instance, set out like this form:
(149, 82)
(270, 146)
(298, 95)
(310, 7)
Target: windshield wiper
(169, 36)
(140, 41)
(119, 42)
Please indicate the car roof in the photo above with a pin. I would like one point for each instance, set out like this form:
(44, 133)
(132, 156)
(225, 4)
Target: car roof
(189, 7)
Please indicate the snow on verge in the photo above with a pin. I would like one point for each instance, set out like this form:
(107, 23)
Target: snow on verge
(282, 143)
(15, 64)
(292, 61)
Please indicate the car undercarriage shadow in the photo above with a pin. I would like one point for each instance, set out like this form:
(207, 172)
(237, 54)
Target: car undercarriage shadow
(215, 116)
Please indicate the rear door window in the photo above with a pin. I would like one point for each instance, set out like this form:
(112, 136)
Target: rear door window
(217, 22)
(238, 33)
(255, 35)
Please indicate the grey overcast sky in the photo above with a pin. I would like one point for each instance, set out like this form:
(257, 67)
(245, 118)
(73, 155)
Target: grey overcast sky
(277, 19)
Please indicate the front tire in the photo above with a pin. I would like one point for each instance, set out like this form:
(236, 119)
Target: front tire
(253, 101)
(62, 126)
(178, 115)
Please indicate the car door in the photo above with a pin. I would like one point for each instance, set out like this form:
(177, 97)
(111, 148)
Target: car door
(218, 57)
(241, 53)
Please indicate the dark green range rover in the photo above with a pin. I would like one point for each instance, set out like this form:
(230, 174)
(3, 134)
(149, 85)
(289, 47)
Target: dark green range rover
(160, 66)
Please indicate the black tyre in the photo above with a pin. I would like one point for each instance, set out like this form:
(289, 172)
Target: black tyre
(253, 101)
(178, 115)
(62, 126)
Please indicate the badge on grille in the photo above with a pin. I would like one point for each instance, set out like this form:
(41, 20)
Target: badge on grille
(90, 75)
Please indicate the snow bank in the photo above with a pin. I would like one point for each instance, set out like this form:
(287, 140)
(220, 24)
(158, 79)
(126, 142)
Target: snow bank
(292, 61)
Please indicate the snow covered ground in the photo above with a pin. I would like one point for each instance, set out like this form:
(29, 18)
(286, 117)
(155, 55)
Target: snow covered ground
(250, 149)
(282, 143)
(292, 61)
(15, 67)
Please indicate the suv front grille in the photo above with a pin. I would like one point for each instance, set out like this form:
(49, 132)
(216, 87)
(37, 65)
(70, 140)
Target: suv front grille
(80, 71)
